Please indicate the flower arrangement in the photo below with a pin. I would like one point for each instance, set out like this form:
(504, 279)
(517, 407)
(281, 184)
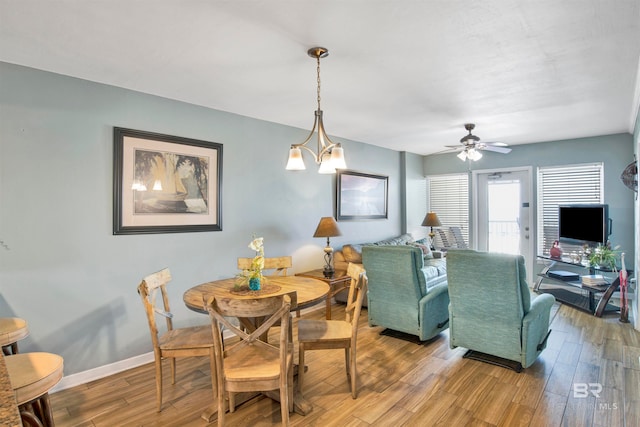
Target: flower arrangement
(603, 256)
(253, 275)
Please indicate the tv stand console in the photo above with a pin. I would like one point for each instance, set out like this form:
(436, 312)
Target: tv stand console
(590, 298)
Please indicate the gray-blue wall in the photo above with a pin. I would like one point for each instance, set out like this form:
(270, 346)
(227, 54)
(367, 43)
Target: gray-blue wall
(615, 151)
(63, 270)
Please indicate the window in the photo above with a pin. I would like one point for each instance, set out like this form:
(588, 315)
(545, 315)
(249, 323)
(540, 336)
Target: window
(564, 185)
(448, 197)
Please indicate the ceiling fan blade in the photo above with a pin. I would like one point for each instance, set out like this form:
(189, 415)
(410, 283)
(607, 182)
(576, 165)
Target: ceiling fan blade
(452, 149)
(495, 148)
(457, 147)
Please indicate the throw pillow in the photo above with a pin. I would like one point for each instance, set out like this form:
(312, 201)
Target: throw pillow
(352, 253)
(426, 250)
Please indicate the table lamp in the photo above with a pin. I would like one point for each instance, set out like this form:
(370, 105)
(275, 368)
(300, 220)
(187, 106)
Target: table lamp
(327, 227)
(431, 220)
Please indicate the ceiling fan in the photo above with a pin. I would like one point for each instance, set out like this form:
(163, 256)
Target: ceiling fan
(471, 146)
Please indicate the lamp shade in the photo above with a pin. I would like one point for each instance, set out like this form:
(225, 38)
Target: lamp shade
(326, 165)
(295, 162)
(337, 157)
(327, 227)
(431, 220)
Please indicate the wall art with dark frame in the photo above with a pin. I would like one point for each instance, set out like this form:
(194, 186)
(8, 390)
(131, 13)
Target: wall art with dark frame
(165, 184)
(361, 195)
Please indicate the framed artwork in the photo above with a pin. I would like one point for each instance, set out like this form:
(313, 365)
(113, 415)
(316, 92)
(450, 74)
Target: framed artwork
(361, 195)
(165, 184)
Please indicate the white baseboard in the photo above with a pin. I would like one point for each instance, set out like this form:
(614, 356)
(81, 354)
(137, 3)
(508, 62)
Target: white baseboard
(84, 377)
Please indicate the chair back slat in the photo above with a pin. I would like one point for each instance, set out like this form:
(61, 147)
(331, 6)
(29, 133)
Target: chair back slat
(148, 290)
(460, 243)
(157, 279)
(355, 271)
(279, 264)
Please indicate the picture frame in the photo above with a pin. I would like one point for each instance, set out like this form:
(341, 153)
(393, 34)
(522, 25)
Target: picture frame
(361, 196)
(165, 184)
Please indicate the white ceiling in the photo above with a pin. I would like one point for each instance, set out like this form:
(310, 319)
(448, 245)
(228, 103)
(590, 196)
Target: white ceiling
(400, 74)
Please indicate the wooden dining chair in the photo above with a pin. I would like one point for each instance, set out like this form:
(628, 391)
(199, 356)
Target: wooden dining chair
(280, 265)
(172, 343)
(252, 364)
(336, 334)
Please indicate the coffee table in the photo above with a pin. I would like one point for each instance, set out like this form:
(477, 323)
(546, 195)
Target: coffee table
(337, 283)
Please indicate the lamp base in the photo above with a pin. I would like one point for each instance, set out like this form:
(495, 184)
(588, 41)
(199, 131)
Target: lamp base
(328, 271)
(432, 235)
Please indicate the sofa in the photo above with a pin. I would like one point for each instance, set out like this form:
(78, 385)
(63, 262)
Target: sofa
(434, 266)
(400, 298)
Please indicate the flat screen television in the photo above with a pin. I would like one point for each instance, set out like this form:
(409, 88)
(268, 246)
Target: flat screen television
(580, 224)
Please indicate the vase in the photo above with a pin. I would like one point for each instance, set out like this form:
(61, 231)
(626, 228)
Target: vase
(254, 283)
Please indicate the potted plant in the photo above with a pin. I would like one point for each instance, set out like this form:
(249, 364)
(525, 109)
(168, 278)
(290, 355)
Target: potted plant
(603, 257)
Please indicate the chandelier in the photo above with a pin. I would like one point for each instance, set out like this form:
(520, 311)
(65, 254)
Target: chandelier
(329, 155)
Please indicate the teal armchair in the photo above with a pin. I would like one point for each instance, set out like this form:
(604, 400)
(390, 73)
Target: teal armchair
(400, 296)
(491, 311)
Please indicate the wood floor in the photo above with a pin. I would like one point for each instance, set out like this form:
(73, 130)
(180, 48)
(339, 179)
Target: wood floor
(402, 383)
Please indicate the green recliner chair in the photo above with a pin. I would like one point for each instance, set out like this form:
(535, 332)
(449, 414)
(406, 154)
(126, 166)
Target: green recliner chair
(491, 312)
(398, 297)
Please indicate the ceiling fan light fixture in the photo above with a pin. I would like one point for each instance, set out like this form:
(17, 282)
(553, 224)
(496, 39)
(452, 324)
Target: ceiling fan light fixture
(474, 154)
(462, 155)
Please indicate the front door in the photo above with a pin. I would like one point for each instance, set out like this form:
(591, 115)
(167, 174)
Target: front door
(502, 213)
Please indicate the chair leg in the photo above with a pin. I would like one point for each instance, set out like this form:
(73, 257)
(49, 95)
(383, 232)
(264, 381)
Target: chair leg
(297, 313)
(173, 369)
(301, 367)
(29, 419)
(347, 362)
(221, 409)
(290, 386)
(284, 401)
(352, 367)
(232, 402)
(159, 382)
(214, 376)
(47, 413)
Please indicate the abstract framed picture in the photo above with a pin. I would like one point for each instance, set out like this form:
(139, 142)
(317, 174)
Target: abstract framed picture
(165, 184)
(361, 195)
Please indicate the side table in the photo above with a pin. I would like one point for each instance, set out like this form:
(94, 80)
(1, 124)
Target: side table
(338, 282)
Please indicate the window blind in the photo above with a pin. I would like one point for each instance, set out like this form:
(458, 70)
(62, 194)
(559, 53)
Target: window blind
(449, 199)
(564, 185)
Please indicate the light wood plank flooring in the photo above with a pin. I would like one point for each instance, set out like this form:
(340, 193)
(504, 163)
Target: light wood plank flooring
(401, 383)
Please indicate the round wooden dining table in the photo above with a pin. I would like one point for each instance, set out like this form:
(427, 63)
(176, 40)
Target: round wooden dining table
(303, 291)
